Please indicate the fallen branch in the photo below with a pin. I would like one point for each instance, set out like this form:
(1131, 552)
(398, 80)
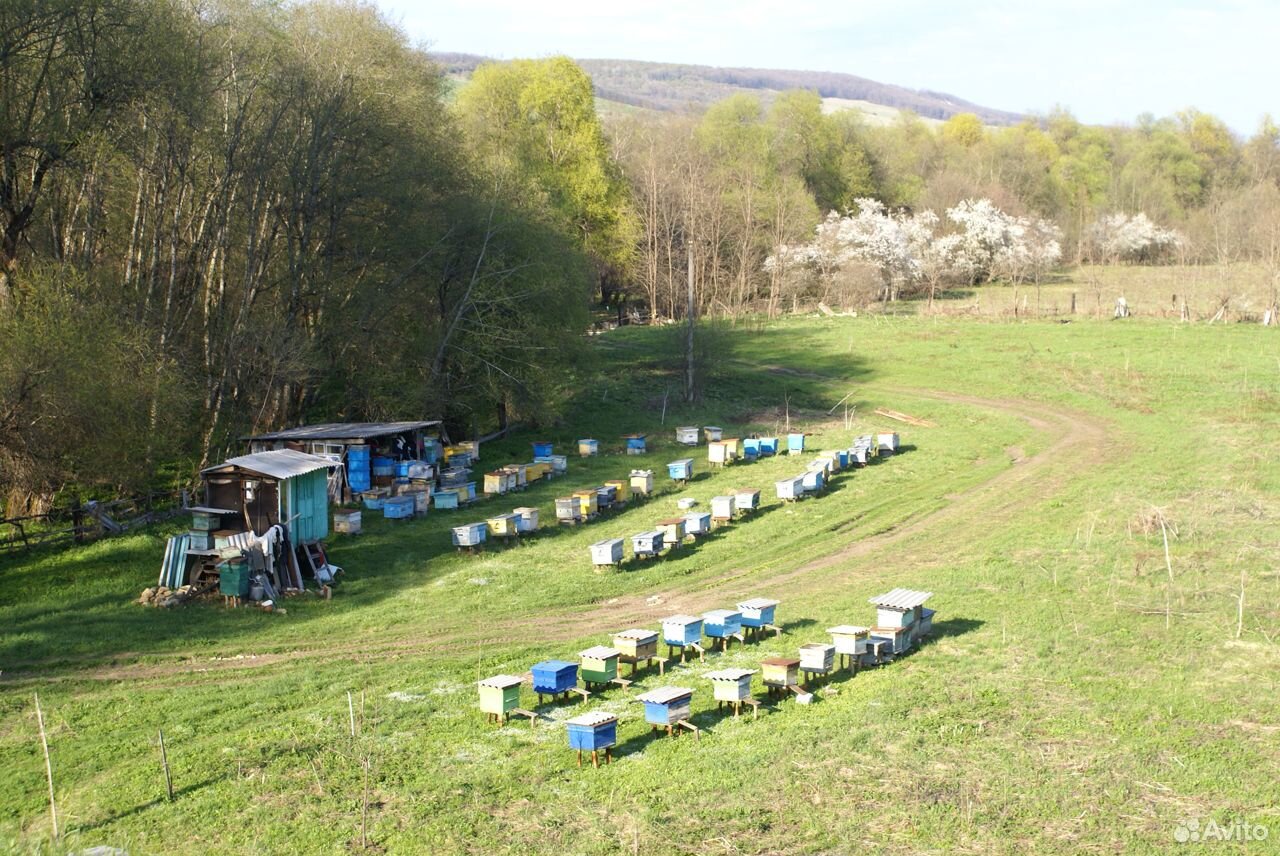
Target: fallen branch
(903, 417)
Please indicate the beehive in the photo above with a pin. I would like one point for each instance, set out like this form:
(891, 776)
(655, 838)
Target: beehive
(687, 435)
(588, 448)
(552, 677)
(599, 664)
(887, 442)
(833, 461)
(718, 453)
(791, 488)
(503, 525)
(750, 448)
(746, 499)
(519, 474)
(444, 498)
(636, 644)
(813, 481)
(568, 509)
(347, 522)
(469, 534)
(817, 657)
(897, 612)
(537, 470)
(499, 694)
(635, 444)
(681, 470)
(697, 523)
(495, 482)
(421, 502)
(757, 611)
(850, 639)
(780, 671)
(606, 496)
(526, 520)
(681, 630)
(398, 508)
(842, 457)
(731, 684)
(591, 732)
(821, 464)
(733, 446)
(588, 502)
(672, 530)
(607, 552)
(642, 482)
(768, 446)
(795, 443)
(647, 543)
(722, 508)
(712, 433)
(721, 623)
(666, 706)
(898, 639)
(542, 448)
(621, 489)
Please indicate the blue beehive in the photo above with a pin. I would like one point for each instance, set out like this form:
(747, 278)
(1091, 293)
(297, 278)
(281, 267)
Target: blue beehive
(470, 534)
(721, 623)
(647, 544)
(681, 470)
(444, 498)
(750, 448)
(398, 507)
(588, 448)
(768, 446)
(682, 630)
(541, 449)
(666, 706)
(635, 444)
(842, 455)
(553, 677)
(697, 523)
(383, 466)
(813, 481)
(592, 732)
(795, 443)
(757, 612)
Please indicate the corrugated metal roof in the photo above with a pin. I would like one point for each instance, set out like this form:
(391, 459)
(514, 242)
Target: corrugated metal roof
(638, 634)
(718, 615)
(276, 464)
(848, 630)
(665, 695)
(900, 598)
(729, 674)
(501, 681)
(758, 603)
(343, 431)
(592, 719)
(600, 652)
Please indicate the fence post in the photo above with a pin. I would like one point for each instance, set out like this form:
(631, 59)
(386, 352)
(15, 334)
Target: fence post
(77, 519)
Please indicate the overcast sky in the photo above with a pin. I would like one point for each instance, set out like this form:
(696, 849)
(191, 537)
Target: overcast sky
(1106, 60)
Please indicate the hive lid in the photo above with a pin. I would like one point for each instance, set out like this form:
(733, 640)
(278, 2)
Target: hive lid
(747, 490)
(815, 646)
(758, 603)
(642, 472)
(780, 661)
(599, 652)
(608, 542)
(722, 499)
(729, 674)
(637, 634)
(681, 461)
(665, 695)
(721, 614)
(501, 681)
(523, 510)
(671, 521)
(681, 619)
(848, 630)
(554, 665)
(900, 598)
(592, 719)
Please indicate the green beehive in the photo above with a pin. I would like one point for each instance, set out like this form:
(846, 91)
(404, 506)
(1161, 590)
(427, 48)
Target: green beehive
(233, 579)
(499, 695)
(599, 665)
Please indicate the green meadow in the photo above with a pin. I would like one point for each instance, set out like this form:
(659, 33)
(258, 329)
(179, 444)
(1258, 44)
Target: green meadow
(1096, 510)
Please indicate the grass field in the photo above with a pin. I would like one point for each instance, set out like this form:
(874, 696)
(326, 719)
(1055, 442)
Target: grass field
(1082, 694)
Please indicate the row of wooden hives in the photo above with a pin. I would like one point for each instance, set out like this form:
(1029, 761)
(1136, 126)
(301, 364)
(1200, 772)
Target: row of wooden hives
(901, 622)
(670, 533)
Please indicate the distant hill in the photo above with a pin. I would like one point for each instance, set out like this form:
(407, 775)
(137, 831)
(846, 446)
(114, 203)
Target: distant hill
(677, 88)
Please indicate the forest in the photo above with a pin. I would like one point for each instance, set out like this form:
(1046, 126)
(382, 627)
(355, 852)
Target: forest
(221, 217)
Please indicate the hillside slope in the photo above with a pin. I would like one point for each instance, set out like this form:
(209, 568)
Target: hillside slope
(677, 87)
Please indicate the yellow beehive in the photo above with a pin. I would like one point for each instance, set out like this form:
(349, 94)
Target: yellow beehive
(495, 482)
(588, 501)
(622, 487)
(502, 525)
(499, 694)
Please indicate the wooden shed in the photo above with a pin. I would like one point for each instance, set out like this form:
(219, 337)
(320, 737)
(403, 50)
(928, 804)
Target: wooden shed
(266, 489)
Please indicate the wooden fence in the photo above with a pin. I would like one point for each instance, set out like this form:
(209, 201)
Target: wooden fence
(79, 522)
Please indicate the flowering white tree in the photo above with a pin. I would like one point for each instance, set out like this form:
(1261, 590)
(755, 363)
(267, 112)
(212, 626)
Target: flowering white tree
(1036, 248)
(1120, 237)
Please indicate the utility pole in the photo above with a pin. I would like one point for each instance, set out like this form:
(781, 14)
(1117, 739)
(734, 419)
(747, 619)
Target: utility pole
(688, 380)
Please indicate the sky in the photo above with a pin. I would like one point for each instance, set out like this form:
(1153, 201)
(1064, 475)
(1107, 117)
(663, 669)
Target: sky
(1105, 61)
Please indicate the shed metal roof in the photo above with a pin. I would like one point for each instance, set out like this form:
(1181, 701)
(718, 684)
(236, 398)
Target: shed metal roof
(721, 614)
(600, 652)
(758, 603)
(592, 719)
(900, 598)
(343, 431)
(501, 681)
(637, 633)
(276, 464)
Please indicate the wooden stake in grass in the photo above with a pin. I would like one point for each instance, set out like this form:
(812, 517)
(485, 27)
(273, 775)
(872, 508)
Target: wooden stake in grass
(48, 767)
(1240, 608)
(1164, 533)
(364, 812)
(164, 762)
(351, 713)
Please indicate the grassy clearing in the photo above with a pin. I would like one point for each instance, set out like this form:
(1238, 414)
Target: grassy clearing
(1079, 695)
